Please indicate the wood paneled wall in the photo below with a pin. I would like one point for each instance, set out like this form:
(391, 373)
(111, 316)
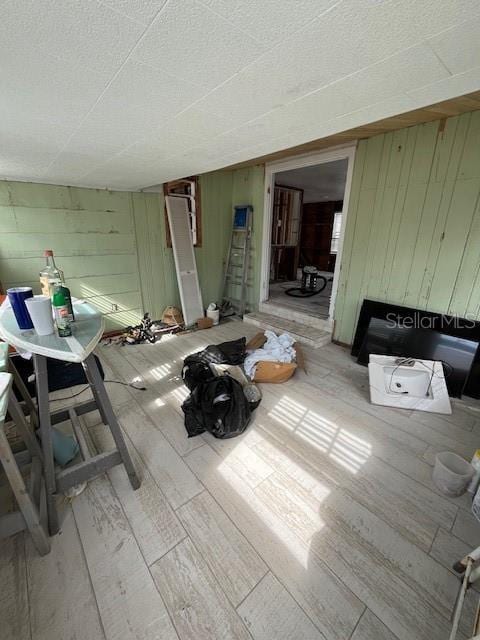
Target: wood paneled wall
(413, 226)
(111, 244)
(93, 237)
(248, 188)
(412, 235)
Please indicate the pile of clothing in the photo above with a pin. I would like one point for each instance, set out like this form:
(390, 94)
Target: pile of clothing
(222, 402)
(275, 349)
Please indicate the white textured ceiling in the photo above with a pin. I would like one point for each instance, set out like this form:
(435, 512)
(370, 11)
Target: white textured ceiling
(319, 182)
(129, 93)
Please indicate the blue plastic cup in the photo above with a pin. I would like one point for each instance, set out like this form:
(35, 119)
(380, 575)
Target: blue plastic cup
(17, 297)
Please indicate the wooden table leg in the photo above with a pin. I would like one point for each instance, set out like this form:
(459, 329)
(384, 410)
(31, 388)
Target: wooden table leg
(105, 408)
(41, 380)
(95, 396)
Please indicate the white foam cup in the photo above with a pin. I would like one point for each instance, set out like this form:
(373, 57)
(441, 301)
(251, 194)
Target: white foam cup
(40, 310)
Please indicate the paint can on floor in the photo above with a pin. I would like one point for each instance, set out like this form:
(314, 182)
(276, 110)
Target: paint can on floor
(214, 313)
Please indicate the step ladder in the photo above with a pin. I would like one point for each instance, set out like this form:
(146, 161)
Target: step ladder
(238, 261)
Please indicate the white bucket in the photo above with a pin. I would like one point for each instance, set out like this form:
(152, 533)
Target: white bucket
(451, 473)
(214, 314)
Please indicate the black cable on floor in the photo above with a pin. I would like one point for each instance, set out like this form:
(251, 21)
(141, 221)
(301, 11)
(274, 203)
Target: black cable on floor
(125, 384)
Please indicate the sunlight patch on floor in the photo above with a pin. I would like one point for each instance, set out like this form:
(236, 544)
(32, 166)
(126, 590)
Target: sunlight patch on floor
(136, 380)
(289, 508)
(180, 394)
(161, 371)
(106, 305)
(166, 337)
(322, 433)
(283, 461)
(276, 527)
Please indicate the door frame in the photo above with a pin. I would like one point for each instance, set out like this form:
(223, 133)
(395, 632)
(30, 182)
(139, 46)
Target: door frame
(343, 152)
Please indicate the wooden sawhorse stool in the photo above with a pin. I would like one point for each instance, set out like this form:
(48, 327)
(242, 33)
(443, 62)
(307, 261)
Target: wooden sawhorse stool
(87, 331)
(31, 500)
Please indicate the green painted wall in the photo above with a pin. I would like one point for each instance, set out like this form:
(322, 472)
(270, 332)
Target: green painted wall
(156, 264)
(248, 188)
(220, 191)
(216, 199)
(92, 234)
(111, 245)
(413, 226)
(412, 235)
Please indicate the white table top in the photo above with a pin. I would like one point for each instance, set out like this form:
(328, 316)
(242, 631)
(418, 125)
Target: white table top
(87, 331)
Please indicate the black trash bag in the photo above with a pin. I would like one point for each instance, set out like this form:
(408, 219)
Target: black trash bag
(232, 352)
(195, 371)
(196, 367)
(219, 406)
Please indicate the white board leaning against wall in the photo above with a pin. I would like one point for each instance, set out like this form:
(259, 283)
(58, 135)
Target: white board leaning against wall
(185, 264)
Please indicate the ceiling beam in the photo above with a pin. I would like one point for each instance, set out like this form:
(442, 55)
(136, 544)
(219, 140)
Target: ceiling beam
(438, 111)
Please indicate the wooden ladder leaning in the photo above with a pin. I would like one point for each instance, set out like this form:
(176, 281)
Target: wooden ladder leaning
(237, 267)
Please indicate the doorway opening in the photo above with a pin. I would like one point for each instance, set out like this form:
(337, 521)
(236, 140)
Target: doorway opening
(305, 210)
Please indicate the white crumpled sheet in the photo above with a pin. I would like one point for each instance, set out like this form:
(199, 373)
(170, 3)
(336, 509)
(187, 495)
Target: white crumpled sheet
(276, 349)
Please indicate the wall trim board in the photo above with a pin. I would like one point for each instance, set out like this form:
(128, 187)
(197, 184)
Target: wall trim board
(437, 111)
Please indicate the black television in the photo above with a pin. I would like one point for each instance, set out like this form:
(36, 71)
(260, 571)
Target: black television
(386, 337)
(444, 324)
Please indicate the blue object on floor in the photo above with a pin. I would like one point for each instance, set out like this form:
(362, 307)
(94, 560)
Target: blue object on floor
(65, 447)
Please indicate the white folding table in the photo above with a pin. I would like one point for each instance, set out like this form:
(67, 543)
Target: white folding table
(87, 331)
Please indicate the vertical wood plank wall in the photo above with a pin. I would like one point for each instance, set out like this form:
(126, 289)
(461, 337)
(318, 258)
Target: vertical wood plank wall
(248, 188)
(111, 244)
(412, 236)
(413, 226)
(156, 269)
(216, 200)
(92, 234)
(158, 280)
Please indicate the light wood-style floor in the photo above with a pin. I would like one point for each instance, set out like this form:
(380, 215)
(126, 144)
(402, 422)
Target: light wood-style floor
(319, 523)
